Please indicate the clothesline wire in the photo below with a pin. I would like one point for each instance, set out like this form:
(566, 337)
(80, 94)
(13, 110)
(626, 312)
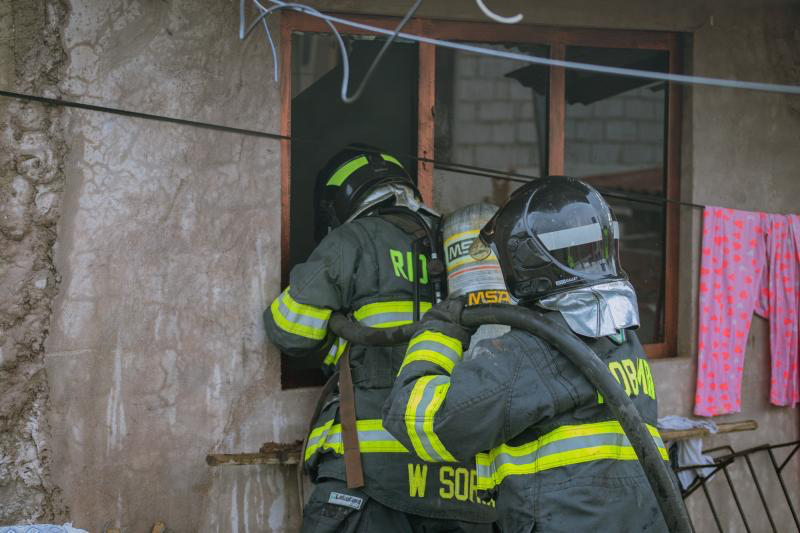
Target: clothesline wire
(456, 167)
(504, 54)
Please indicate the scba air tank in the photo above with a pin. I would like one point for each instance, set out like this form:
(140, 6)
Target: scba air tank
(480, 281)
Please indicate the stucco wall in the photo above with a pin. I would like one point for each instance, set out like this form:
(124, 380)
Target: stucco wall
(168, 247)
(168, 250)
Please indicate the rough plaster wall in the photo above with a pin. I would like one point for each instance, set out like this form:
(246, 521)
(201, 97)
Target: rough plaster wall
(31, 182)
(169, 251)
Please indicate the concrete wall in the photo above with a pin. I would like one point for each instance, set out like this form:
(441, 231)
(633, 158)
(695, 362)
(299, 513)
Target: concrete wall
(168, 250)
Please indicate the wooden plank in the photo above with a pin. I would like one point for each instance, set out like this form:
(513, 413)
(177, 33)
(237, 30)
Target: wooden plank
(487, 32)
(425, 126)
(285, 56)
(722, 427)
(220, 459)
(556, 114)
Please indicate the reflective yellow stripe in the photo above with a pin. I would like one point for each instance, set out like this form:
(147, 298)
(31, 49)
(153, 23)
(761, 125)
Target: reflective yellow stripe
(389, 314)
(450, 342)
(346, 170)
(299, 319)
(372, 438)
(387, 157)
(430, 413)
(563, 446)
(411, 417)
(434, 347)
(335, 352)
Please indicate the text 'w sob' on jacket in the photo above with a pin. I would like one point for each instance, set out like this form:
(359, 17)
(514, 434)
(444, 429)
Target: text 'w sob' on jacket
(364, 268)
(552, 453)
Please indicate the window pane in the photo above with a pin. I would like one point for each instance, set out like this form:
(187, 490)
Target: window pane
(385, 116)
(615, 139)
(492, 113)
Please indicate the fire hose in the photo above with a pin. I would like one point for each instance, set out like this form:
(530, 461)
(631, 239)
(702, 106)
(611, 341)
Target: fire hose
(562, 339)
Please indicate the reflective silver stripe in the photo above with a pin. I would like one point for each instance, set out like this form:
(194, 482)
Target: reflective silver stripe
(563, 445)
(437, 347)
(297, 318)
(615, 229)
(556, 240)
(384, 318)
(427, 398)
(364, 436)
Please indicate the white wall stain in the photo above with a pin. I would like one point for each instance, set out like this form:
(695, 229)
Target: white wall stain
(115, 410)
(234, 509)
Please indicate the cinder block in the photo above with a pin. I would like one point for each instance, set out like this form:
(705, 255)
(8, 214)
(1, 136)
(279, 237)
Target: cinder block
(526, 111)
(526, 132)
(498, 157)
(578, 152)
(474, 89)
(590, 130)
(606, 153)
(503, 133)
(621, 130)
(520, 93)
(579, 111)
(466, 65)
(496, 111)
(651, 132)
(464, 155)
(502, 89)
(608, 108)
(643, 154)
(638, 109)
(465, 112)
(471, 133)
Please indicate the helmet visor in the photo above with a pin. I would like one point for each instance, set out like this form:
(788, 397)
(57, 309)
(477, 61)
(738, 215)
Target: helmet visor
(587, 250)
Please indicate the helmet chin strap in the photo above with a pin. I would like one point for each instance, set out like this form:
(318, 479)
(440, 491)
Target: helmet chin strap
(598, 310)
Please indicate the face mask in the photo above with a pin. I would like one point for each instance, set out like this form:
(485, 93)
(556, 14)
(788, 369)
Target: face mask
(403, 197)
(596, 311)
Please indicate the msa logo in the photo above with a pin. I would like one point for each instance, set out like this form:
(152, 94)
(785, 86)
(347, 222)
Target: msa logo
(458, 249)
(488, 297)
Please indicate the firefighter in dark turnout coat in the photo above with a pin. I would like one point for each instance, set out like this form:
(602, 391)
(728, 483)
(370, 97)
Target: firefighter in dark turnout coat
(553, 454)
(364, 267)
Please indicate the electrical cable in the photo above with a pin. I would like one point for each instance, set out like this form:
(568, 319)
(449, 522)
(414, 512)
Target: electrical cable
(470, 170)
(575, 65)
(497, 18)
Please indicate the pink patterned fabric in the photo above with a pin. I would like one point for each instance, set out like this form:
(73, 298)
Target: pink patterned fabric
(749, 262)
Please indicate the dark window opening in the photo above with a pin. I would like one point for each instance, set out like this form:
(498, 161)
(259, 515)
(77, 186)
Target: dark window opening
(385, 116)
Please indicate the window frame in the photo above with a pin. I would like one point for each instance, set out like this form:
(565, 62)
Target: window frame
(557, 39)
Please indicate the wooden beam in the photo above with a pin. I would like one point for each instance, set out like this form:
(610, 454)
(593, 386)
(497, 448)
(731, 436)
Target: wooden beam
(425, 126)
(286, 146)
(723, 427)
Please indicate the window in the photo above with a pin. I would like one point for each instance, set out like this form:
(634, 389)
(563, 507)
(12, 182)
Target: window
(470, 112)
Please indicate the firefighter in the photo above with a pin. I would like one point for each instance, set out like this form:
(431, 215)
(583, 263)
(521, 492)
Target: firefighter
(553, 454)
(364, 266)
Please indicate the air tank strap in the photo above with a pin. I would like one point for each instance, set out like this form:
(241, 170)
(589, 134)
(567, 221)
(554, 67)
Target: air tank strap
(347, 414)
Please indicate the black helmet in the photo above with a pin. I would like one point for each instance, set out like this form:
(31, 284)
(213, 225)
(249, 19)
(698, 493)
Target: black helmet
(349, 176)
(554, 234)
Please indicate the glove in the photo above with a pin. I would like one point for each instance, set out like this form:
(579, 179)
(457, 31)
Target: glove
(445, 317)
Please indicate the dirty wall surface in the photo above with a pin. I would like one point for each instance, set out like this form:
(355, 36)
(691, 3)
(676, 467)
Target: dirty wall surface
(31, 182)
(168, 250)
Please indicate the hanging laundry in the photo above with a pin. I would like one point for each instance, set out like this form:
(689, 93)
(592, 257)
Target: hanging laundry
(749, 263)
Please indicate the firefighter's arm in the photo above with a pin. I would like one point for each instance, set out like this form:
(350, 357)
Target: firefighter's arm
(297, 320)
(447, 409)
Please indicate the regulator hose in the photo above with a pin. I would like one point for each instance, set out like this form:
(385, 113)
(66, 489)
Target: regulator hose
(567, 343)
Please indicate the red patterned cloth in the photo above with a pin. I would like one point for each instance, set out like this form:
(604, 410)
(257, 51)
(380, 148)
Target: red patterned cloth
(749, 263)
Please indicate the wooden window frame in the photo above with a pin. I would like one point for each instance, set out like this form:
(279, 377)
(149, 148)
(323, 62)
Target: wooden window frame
(557, 39)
